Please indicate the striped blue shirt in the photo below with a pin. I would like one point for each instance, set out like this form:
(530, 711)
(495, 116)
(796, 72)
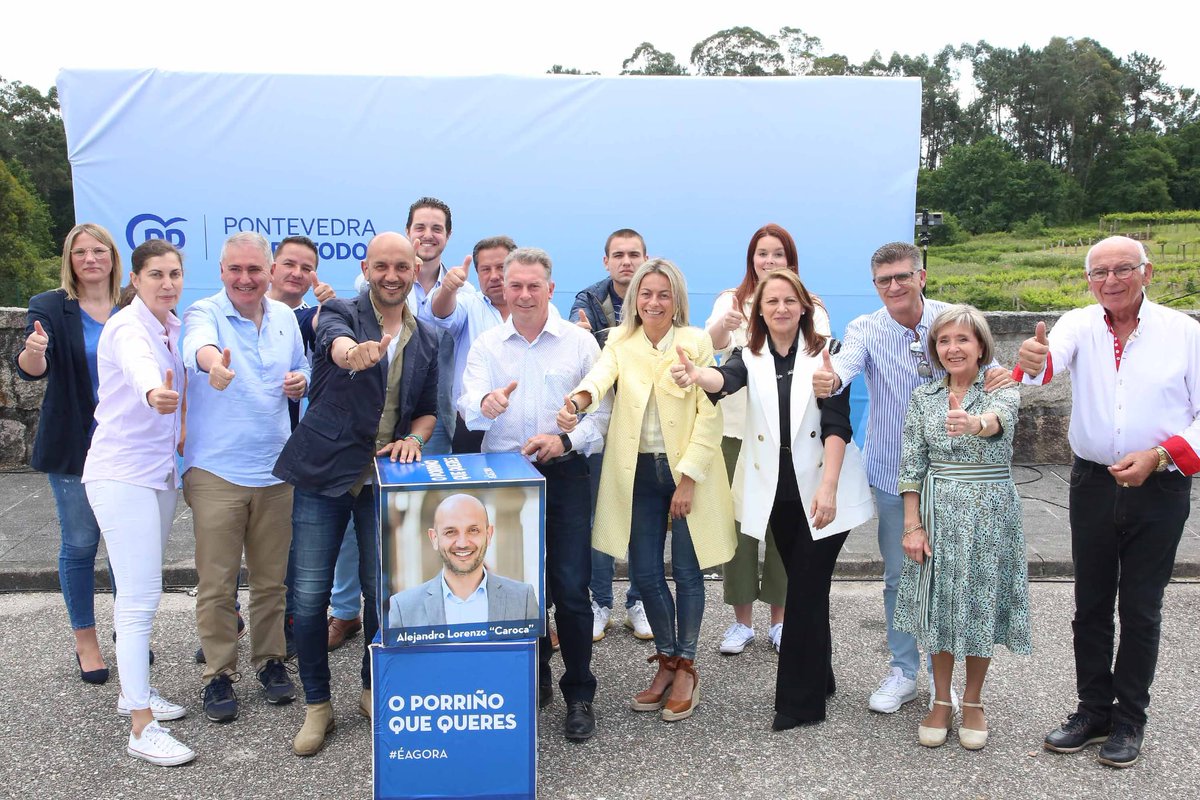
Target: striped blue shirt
(877, 346)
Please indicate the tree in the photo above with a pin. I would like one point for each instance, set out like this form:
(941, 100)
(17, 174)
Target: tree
(25, 242)
(32, 135)
(800, 51)
(738, 51)
(1185, 147)
(649, 60)
(559, 69)
(1148, 98)
(1134, 174)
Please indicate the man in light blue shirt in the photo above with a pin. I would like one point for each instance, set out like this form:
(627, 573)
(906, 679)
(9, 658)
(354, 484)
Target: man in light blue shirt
(463, 591)
(467, 314)
(245, 360)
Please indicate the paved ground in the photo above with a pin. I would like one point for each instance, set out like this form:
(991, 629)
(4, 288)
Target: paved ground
(29, 535)
(60, 738)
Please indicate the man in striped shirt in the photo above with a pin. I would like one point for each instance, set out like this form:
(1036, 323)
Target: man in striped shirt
(889, 347)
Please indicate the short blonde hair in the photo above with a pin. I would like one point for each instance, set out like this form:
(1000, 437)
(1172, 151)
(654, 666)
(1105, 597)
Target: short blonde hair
(967, 316)
(67, 276)
(660, 266)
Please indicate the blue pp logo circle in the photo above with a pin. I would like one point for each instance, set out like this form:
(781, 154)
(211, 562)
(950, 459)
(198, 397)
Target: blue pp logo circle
(145, 227)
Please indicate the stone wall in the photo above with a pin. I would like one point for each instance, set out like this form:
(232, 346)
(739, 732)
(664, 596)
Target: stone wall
(1041, 434)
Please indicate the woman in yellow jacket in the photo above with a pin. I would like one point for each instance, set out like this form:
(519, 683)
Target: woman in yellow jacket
(662, 458)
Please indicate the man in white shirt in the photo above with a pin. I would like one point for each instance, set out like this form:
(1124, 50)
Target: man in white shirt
(516, 376)
(1135, 432)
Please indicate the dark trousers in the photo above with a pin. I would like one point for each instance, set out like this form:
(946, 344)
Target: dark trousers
(466, 440)
(805, 675)
(1123, 544)
(568, 570)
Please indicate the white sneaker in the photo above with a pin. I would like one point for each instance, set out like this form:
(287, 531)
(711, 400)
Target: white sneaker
(158, 746)
(161, 708)
(776, 634)
(635, 620)
(601, 617)
(893, 692)
(954, 701)
(737, 636)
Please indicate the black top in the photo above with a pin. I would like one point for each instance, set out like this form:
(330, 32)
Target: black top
(835, 411)
(65, 427)
(308, 335)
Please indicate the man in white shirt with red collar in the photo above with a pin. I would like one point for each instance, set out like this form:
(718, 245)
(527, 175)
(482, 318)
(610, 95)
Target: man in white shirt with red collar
(1135, 432)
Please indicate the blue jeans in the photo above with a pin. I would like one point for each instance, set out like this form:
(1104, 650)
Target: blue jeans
(674, 621)
(604, 565)
(891, 528)
(318, 526)
(346, 602)
(77, 554)
(568, 565)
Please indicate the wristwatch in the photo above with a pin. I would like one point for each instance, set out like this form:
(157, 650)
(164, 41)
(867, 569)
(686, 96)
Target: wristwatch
(1163, 458)
(566, 443)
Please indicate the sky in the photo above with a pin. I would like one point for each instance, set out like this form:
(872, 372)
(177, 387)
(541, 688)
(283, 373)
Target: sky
(466, 37)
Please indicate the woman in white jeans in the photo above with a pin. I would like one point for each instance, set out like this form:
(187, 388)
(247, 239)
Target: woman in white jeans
(131, 480)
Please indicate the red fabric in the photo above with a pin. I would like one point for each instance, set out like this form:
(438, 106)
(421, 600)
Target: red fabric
(1049, 373)
(1185, 458)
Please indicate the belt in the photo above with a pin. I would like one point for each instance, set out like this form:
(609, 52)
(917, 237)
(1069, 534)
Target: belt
(946, 471)
(557, 460)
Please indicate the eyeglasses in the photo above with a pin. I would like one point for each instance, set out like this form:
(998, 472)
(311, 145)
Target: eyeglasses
(901, 278)
(1121, 273)
(923, 368)
(97, 252)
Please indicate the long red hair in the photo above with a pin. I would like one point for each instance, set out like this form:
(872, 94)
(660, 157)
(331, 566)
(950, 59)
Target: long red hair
(745, 289)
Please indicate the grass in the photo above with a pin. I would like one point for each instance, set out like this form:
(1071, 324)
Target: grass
(1007, 272)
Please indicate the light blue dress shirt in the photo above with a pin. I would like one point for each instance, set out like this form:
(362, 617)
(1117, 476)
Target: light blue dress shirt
(472, 610)
(238, 434)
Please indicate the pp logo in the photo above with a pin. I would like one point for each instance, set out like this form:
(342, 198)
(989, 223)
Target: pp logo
(145, 227)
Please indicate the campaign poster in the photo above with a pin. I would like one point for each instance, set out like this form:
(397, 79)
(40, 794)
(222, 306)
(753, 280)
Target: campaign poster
(462, 544)
(455, 721)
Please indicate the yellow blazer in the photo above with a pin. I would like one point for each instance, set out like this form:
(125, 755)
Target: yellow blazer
(691, 429)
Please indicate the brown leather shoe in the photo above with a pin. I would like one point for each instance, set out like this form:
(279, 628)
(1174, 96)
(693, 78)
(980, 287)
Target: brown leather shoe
(342, 629)
(649, 700)
(676, 709)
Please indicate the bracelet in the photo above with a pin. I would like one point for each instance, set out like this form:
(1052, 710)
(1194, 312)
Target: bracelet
(574, 404)
(916, 527)
(420, 442)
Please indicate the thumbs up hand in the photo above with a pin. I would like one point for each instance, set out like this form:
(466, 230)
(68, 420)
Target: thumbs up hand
(37, 342)
(567, 417)
(1031, 357)
(456, 277)
(365, 355)
(684, 372)
(220, 375)
(733, 320)
(583, 321)
(825, 380)
(322, 291)
(959, 422)
(164, 399)
(495, 403)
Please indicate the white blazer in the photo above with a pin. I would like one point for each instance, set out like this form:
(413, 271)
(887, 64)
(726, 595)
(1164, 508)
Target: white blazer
(757, 474)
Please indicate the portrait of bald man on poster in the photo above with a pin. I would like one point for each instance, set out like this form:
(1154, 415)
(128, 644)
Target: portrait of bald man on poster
(464, 591)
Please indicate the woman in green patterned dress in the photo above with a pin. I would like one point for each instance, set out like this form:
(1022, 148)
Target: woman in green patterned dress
(964, 587)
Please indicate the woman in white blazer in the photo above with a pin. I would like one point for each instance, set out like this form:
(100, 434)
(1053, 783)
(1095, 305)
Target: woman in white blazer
(808, 483)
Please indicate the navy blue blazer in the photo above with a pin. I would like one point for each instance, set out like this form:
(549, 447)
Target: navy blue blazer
(335, 439)
(65, 428)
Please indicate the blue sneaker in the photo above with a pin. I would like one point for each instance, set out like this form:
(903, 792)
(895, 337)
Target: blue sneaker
(220, 701)
(276, 682)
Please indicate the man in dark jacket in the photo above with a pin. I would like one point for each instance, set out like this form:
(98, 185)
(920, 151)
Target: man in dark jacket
(598, 309)
(374, 392)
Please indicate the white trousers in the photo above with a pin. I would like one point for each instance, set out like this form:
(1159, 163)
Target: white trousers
(135, 522)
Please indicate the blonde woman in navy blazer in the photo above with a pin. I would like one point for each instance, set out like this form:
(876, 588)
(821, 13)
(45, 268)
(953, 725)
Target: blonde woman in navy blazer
(798, 471)
(61, 337)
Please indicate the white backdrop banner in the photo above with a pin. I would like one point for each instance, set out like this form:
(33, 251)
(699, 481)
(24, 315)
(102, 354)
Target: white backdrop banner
(559, 162)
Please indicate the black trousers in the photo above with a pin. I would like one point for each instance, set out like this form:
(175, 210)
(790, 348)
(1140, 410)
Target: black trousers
(1123, 544)
(805, 675)
(466, 440)
(568, 571)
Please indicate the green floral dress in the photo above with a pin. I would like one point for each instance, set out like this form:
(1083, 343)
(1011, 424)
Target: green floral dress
(978, 590)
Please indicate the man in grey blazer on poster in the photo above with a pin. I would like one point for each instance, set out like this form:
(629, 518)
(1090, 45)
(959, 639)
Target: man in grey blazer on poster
(464, 591)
